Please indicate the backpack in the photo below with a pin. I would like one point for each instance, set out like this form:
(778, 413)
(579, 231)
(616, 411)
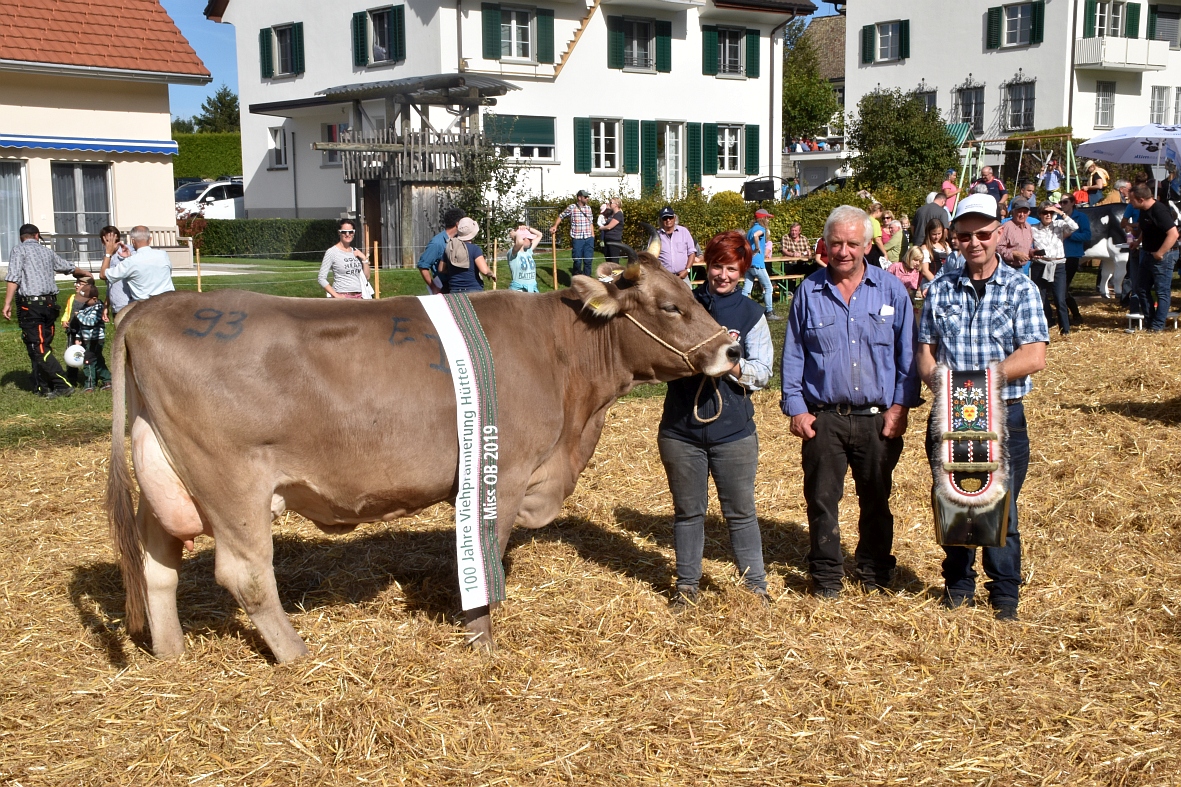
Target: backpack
(457, 255)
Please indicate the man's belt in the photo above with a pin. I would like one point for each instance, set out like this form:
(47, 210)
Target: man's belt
(847, 409)
(36, 298)
(970, 495)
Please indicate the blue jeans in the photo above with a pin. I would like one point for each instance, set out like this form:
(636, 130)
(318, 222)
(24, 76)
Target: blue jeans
(1053, 292)
(764, 279)
(582, 252)
(1154, 274)
(733, 466)
(1002, 565)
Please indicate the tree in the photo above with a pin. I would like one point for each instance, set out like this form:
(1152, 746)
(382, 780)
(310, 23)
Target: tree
(182, 126)
(899, 141)
(809, 102)
(219, 113)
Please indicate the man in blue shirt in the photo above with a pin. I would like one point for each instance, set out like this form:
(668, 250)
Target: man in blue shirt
(988, 312)
(849, 380)
(428, 262)
(1073, 246)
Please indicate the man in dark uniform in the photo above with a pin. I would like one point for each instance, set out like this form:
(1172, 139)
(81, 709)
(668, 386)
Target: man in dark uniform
(30, 281)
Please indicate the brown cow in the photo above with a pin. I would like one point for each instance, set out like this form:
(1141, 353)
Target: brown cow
(245, 405)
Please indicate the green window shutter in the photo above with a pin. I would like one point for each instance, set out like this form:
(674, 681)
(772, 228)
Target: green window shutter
(1037, 22)
(752, 53)
(693, 154)
(709, 50)
(398, 32)
(297, 47)
(647, 155)
(490, 16)
(361, 38)
(1150, 31)
(664, 47)
(992, 39)
(615, 42)
(582, 145)
(904, 39)
(869, 42)
(1132, 25)
(1089, 18)
(752, 150)
(545, 35)
(631, 147)
(266, 53)
(709, 148)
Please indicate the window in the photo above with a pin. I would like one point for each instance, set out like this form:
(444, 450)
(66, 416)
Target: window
(888, 41)
(929, 98)
(1158, 105)
(12, 204)
(381, 23)
(1165, 25)
(330, 132)
(1020, 98)
(670, 160)
(81, 206)
(1104, 104)
(637, 44)
(1177, 107)
(278, 148)
(515, 34)
(729, 145)
(1109, 18)
(604, 145)
(285, 50)
(971, 101)
(1018, 20)
(730, 59)
(521, 136)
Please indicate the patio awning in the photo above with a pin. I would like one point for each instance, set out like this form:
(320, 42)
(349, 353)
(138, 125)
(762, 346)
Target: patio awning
(166, 147)
(960, 133)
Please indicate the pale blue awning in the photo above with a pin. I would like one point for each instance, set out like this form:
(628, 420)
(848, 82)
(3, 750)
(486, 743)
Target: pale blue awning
(165, 147)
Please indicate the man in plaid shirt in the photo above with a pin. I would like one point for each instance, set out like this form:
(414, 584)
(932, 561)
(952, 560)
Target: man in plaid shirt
(582, 233)
(986, 311)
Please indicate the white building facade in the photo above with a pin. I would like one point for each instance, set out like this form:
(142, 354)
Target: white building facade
(1089, 64)
(608, 96)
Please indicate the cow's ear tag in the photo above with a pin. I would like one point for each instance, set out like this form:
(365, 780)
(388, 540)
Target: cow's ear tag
(602, 306)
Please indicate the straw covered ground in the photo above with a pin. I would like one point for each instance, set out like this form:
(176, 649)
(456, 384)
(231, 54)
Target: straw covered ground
(595, 682)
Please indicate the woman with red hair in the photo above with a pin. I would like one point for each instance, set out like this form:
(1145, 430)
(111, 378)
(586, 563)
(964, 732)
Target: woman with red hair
(708, 429)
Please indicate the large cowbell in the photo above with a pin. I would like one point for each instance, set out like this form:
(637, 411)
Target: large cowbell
(970, 496)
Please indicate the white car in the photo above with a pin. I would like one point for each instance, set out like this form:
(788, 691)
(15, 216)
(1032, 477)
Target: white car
(214, 200)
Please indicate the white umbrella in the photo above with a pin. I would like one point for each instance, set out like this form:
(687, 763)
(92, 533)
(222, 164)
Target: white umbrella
(1145, 144)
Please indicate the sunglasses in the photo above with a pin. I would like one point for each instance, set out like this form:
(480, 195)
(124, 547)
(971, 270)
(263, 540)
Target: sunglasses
(982, 235)
(348, 232)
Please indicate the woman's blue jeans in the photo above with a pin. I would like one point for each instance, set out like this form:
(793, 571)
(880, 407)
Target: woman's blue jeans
(733, 466)
(764, 279)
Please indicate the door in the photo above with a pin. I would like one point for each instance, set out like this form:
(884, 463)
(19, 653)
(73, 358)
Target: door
(12, 206)
(235, 192)
(371, 216)
(670, 158)
(81, 208)
(217, 205)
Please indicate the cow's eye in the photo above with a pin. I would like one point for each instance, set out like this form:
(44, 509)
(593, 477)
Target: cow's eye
(671, 308)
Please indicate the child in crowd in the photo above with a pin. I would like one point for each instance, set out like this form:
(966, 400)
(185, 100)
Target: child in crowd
(908, 271)
(520, 258)
(72, 306)
(86, 329)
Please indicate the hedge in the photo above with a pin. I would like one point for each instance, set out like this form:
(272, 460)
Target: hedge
(263, 237)
(207, 155)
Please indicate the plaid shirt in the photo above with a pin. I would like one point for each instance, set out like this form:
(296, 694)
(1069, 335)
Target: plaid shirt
(798, 249)
(32, 265)
(582, 220)
(969, 333)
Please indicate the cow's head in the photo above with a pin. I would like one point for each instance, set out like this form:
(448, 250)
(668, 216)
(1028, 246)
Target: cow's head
(664, 332)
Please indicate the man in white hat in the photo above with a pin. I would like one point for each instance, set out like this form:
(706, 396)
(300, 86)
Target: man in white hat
(986, 312)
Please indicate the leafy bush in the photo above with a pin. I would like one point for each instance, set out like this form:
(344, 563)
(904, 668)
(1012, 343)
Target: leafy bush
(263, 237)
(207, 155)
(899, 142)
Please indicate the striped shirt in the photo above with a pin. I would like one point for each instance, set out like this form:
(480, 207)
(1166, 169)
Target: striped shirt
(582, 220)
(796, 249)
(32, 266)
(969, 334)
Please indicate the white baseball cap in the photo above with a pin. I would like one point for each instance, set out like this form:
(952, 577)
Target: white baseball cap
(978, 204)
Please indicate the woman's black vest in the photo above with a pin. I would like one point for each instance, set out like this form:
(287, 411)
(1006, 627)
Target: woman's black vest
(739, 315)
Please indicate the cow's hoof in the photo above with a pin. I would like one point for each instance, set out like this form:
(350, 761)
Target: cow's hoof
(479, 630)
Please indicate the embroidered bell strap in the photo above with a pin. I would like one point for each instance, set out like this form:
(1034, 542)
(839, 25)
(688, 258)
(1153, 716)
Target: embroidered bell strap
(970, 448)
(481, 572)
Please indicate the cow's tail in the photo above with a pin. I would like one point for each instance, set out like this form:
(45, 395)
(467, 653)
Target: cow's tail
(120, 509)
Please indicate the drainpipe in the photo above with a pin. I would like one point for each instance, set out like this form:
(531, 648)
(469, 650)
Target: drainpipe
(459, 33)
(294, 178)
(1070, 82)
(771, 104)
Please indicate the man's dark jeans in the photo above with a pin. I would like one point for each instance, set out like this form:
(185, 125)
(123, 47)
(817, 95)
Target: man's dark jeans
(582, 253)
(37, 323)
(1002, 565)
(1154, 275)
(733, 466)
(1072, 264)
(1053, 292)
(854, 442)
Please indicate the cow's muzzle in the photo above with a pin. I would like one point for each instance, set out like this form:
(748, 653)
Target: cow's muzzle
(683, 353)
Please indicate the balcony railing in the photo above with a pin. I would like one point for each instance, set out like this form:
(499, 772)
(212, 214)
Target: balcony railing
(1121, 54)
(638, 61)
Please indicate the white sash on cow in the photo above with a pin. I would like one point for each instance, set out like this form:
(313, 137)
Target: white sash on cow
(481, 572)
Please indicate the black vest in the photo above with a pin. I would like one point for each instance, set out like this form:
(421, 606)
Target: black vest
(739, 315)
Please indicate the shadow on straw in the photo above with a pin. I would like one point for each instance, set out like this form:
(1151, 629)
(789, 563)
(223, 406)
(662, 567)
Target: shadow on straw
(1166, 412)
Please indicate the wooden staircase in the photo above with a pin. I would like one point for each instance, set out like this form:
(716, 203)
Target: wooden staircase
(592, 6)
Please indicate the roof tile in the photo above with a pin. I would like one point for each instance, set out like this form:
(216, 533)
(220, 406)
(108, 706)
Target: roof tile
(136, 35)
